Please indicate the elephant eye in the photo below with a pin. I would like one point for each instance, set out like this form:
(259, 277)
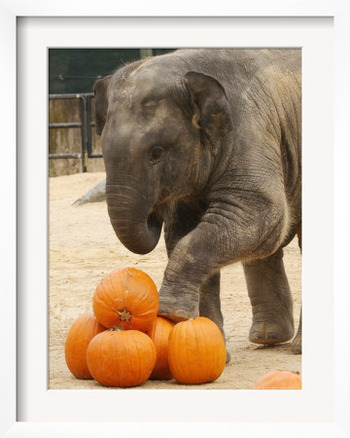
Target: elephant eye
(156, 153)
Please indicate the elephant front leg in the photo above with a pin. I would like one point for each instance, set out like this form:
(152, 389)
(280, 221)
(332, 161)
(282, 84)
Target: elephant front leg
(209, 300)
(210, 303)
(176, 302)
(188, 271)
(271, 300)
(178, 298)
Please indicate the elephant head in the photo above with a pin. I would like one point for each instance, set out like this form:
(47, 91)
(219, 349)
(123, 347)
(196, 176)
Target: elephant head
(161, 135)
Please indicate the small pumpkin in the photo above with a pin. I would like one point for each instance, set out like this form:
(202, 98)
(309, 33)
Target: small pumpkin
(121, 358)
(196, 351)
(159, 334)
(83, 329)
(279, 380)
(126, 298)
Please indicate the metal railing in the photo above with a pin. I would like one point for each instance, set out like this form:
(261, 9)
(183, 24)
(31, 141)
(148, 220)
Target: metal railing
(85, 125)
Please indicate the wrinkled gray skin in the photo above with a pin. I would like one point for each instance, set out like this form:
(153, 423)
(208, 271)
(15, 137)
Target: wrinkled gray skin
(208, 143)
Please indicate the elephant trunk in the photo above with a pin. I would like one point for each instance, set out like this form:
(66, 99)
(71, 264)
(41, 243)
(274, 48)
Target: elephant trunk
(132, 217)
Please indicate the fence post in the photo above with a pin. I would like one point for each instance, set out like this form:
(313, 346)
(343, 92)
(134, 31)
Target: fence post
(83, 133)
(85, 126)
(88, 125)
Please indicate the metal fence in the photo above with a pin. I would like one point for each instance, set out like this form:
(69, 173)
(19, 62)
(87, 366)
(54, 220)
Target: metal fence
(85, 125)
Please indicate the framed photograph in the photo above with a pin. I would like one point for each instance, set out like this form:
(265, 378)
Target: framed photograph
(31, 404)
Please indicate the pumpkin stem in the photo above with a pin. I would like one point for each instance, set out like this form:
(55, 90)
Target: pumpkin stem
(116, 329)
(124, 315)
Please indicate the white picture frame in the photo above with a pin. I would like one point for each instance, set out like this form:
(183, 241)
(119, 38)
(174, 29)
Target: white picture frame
(15, 171)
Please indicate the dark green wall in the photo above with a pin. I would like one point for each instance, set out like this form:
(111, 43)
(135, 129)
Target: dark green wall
(75, 70)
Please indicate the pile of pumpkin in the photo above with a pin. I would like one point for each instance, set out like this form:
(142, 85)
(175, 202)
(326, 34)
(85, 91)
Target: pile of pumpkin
(124, 342)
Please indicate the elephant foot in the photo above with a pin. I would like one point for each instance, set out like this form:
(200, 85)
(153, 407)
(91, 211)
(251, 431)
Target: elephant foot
(177, 309)
(270, 333)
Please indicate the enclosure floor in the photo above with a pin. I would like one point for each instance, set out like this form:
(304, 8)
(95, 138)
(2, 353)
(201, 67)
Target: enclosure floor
(83, 248)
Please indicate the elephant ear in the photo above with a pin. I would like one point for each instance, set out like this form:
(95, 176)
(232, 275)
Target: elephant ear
(101, 103)
(210, 110)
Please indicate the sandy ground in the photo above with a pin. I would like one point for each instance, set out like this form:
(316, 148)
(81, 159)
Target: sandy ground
(83, 248)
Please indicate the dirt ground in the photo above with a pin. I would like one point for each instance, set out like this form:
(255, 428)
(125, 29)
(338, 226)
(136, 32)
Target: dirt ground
(83, 248)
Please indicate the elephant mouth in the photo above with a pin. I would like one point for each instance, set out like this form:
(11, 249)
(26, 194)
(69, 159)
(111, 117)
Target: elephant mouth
(154, 222)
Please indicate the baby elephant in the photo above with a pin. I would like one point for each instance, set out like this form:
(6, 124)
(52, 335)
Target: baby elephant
(208, 142)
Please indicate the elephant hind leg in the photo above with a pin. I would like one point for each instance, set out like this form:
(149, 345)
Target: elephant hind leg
(297, 343)
(271, 300)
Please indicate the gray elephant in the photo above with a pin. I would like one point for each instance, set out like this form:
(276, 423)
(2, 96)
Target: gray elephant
(208, 143)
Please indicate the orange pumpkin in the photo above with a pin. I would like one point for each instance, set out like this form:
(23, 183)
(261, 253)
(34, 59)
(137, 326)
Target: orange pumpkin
(279, 380)
(126, 298)
(159, 334)
(121, 358)
(83, 329)
(196, 350)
